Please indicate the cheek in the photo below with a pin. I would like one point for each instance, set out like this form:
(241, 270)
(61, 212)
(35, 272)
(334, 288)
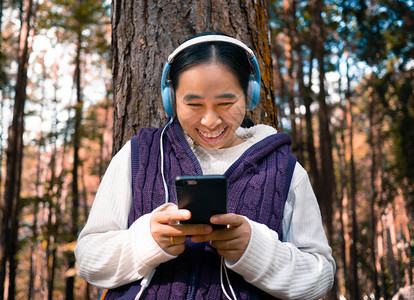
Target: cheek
(235, 116)
(187, 118)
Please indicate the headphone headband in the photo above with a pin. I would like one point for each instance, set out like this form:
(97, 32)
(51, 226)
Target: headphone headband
(253, 93)
(209, 38)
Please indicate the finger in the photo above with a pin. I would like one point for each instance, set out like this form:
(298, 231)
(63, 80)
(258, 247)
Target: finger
(175, 250)
(189, 229)
(171, 216)
(217, 234)
(175, 240)
(228, 219)
(175, 245)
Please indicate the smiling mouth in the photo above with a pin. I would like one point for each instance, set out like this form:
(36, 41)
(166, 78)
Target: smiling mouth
(211, 135)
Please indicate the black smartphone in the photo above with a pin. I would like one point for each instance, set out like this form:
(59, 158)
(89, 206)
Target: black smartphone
(204, 196)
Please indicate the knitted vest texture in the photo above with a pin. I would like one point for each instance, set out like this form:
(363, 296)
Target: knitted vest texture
(256, 184)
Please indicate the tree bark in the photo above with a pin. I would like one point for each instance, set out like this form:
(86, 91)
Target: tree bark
(144, 33)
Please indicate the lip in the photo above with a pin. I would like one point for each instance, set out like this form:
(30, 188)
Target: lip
(214, 138)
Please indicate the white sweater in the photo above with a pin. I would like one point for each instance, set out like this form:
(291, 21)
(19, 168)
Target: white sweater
(109, 254)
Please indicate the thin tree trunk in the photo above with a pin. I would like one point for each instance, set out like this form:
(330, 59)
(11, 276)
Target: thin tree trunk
(38, 195)
(279, 81)
(8, 238)
(289, 78)
(53, 181)
(13, 258)
(70, 279)
(306, 99)
(1, 153)
(310, 143)
(392, 250)
(381, 257)
(374, 190)
(84, 192)
(343, 197)
(328, 191)
(347, 125)
(353, 287)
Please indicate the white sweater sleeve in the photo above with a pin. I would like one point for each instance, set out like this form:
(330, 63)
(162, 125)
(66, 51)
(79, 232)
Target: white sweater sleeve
(108, 253)
(299, 267)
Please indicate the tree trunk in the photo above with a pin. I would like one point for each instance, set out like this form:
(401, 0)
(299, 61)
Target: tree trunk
(343, 208)
(310, 143)
(288, 13)
(70, 279)
(51, 235)
(144, 33)
(38, 195)
(381, 243)
(353, 267)
(306, 99)
(343, 194)
(8, 234)
(327, 188)
(392, 249)
(374, 190)
(349, 190)
(278, 79)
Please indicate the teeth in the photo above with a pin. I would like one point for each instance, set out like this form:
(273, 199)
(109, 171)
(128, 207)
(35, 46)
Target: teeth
(211, 134)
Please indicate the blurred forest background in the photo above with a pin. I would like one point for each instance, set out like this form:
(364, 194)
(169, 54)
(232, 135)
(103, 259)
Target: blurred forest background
(343, 79)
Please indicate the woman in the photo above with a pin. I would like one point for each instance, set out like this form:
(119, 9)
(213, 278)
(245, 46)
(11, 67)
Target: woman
(273, 245)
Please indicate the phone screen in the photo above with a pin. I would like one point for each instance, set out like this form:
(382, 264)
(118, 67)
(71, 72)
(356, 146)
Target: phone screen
(204, 196)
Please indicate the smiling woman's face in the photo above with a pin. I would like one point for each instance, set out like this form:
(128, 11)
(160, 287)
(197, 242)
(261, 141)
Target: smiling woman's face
(210, 105)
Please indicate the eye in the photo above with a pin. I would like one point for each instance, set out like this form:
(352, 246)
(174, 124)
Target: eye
(194, 104)
(225, 103)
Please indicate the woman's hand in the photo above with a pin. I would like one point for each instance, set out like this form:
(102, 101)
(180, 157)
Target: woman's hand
(230, 242)
(169, 234)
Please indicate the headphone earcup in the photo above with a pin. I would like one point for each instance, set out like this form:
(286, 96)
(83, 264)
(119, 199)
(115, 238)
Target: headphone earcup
(172, 102)
(166, 90)
(166, 99)
(253, 93)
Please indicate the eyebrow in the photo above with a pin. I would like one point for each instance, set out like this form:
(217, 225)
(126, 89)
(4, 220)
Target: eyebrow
(226, 96)
(190, 97)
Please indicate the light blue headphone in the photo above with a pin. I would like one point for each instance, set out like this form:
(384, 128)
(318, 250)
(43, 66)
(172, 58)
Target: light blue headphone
(253, 90)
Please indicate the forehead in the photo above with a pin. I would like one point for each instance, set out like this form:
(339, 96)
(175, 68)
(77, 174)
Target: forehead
(207, 73)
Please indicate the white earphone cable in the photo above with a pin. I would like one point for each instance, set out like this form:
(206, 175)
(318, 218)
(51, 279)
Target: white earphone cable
(145, 283)
(167, 196)
(223, 266)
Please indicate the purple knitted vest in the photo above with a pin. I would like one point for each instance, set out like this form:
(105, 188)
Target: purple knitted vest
(256, 184)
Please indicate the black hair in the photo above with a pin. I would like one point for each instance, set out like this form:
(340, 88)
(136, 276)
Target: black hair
(230, 55)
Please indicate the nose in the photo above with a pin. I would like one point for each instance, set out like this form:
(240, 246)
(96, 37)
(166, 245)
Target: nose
(211, 119)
